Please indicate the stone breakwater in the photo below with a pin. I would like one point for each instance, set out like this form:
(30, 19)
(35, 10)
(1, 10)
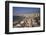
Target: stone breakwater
(27, 22)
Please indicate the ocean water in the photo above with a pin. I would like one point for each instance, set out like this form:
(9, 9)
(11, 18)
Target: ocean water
(16, 18)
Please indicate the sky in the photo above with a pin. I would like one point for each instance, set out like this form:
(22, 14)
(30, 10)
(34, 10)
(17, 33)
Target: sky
(25, 10)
